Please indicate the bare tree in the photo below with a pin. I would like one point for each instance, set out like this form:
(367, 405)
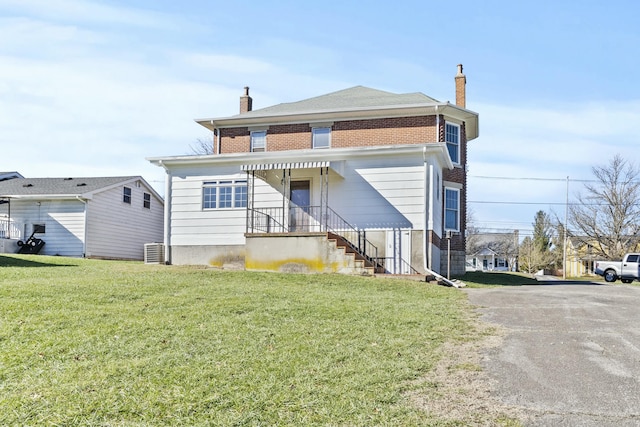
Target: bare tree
(202, 146)
(607, 215)
(536, 252)
(472, 236)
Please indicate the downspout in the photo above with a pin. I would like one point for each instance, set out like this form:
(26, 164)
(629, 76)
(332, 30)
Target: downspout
(167, 215)
(428, 207)
(428, 192)
(86, 222)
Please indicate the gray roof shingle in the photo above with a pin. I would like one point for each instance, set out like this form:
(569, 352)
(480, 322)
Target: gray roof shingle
(58, 186)
(357, 97)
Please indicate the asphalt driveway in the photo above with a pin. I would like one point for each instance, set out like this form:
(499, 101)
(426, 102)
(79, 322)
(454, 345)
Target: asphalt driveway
(571, 353)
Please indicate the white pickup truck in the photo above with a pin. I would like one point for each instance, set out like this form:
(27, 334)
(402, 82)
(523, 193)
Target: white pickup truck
(625, 270)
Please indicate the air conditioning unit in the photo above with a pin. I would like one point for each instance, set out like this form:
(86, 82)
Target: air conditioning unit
(154, 253)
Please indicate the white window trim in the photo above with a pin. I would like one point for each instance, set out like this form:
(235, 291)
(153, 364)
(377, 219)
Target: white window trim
(252, 148)
(313, 137)
(234, 184)
(454, 161)
(126, 196)
(444, 218)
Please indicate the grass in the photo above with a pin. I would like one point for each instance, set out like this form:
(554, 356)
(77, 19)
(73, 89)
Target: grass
(496, 278)
(88, 342)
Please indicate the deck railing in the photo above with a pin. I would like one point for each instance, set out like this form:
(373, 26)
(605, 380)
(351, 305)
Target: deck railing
(300, 219)
(8, 230)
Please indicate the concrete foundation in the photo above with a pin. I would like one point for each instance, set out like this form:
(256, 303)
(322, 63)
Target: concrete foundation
(8, 246)
(299, 253)
(227, 257)
(458, 263)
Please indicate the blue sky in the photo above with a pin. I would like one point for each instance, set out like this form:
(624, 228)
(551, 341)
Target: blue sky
(91, 88)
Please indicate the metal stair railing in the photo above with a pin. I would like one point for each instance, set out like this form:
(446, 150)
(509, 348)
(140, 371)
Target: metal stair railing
(312, 219)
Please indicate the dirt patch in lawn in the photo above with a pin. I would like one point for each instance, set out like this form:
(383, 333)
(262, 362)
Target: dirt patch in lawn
(459, 390)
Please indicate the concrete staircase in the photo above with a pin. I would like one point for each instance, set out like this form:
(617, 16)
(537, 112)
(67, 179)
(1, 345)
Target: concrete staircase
(361, 265)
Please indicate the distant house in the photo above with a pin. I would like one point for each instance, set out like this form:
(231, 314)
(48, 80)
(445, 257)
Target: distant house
(308, 185)
(492, 251)
(9, 175)
(109, 217)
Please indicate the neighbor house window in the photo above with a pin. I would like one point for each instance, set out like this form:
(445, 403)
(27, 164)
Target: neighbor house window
(259, 140)
(224, 194)
(452, 137)
(146, 202)
(126, 195)
(451, 209)
(321, 137)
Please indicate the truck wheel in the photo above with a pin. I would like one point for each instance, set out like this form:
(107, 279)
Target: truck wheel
(610, 276)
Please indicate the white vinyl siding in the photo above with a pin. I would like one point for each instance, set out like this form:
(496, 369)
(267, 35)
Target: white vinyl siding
(118, 230)
(381, 193)
(191, 225)
(63, 221)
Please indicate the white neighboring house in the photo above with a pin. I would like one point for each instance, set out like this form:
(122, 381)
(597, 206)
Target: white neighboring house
(101, 217)
(309, 186)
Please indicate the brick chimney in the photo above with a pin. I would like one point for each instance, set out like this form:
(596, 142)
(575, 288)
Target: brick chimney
(245, 101)
(461, 93)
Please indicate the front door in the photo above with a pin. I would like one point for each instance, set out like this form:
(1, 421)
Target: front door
(301, 193)
(300, 197)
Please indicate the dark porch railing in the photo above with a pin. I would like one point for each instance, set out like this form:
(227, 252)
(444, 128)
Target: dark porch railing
(310, 219)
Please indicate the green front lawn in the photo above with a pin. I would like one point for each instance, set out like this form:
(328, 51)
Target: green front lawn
(88, 342)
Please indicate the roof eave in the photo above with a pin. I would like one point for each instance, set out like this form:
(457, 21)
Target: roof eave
(408, 110)
(439, 149)
(47, 196)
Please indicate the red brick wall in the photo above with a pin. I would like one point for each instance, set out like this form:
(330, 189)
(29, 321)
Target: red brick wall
(459, 175)
(353, 133)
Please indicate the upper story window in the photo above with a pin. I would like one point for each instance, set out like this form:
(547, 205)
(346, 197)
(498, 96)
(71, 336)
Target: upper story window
(259, 140)
(225, 194)
(321, 137)
(452, 137)
(452, 209)
(126, 195)
(146, 201)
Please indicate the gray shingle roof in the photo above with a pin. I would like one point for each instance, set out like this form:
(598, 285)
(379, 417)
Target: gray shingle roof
(58, 186)
(360, 97)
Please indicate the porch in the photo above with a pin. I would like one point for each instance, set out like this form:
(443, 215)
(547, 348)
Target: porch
(297, 217)
(9, 230)
(309, 222)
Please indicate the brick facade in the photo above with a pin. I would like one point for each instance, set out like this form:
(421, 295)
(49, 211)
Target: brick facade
(344, 134)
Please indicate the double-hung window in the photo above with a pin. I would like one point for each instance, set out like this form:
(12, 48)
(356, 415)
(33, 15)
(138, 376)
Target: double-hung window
(146, 201)
(259, 140)
(452, 137)
(224, 194)
(452, 209)
(321, 137)
(126, 195)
